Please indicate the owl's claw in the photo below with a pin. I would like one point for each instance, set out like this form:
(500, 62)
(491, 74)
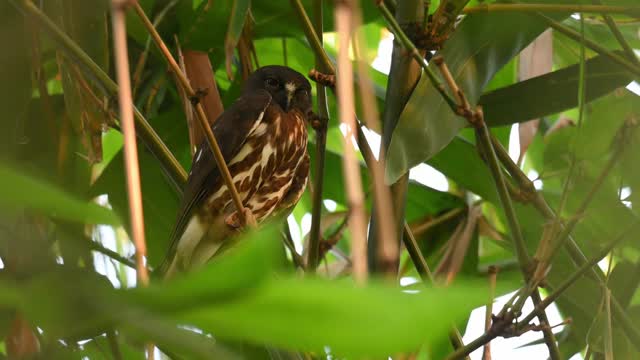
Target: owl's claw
(236, 222)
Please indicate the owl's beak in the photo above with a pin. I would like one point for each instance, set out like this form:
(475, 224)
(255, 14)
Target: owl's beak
(291, 89)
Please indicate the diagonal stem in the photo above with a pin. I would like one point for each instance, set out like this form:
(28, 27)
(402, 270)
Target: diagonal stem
(484, 139)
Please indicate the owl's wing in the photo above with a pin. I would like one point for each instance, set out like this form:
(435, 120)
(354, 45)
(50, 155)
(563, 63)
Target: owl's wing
(231, 130)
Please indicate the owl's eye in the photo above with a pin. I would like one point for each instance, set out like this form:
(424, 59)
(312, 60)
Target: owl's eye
(272, 83)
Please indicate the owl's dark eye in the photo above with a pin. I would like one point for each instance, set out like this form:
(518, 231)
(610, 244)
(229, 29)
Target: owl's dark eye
(272, 83)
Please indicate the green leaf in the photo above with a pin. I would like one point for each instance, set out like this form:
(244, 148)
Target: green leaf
(19, 190)
(480, 46)
(238, 271)
(460, 162)
(350, 320)
(71, 303)
(551, 93)
(65, 302)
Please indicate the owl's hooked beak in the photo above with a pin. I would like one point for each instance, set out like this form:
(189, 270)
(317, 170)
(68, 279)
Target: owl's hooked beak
(291, 90)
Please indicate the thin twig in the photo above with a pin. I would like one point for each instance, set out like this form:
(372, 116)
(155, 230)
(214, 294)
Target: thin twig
(353, 184)
(419, 262)
(422, 267)
(493, 272)
(92, 245)
(473, 346)
(298, 261)
(483, 136)
(605, 9)
(129, 130)
(422, 228)
(201, 116)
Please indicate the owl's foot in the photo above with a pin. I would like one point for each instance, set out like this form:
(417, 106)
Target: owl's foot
(235, 221)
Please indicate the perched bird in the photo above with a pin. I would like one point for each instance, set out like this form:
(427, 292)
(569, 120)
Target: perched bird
(263, 139)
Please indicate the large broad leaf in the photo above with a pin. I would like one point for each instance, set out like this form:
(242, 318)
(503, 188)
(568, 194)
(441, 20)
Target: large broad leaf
(350, 320)
(18, 190)
(72, 303)
(239, 271)
(551, 93)
(481, 46)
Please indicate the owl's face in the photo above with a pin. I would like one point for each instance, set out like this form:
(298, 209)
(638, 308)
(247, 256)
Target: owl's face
(289, 88)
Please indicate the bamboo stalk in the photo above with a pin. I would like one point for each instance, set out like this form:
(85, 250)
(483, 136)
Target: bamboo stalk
(388, 246)
(351, 167)
(201, 116)
(128, 128)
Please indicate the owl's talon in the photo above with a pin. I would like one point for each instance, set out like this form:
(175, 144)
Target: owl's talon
(236, 222)
(250, 220)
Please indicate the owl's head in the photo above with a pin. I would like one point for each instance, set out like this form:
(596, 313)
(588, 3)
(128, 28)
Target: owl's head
(288, 88)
